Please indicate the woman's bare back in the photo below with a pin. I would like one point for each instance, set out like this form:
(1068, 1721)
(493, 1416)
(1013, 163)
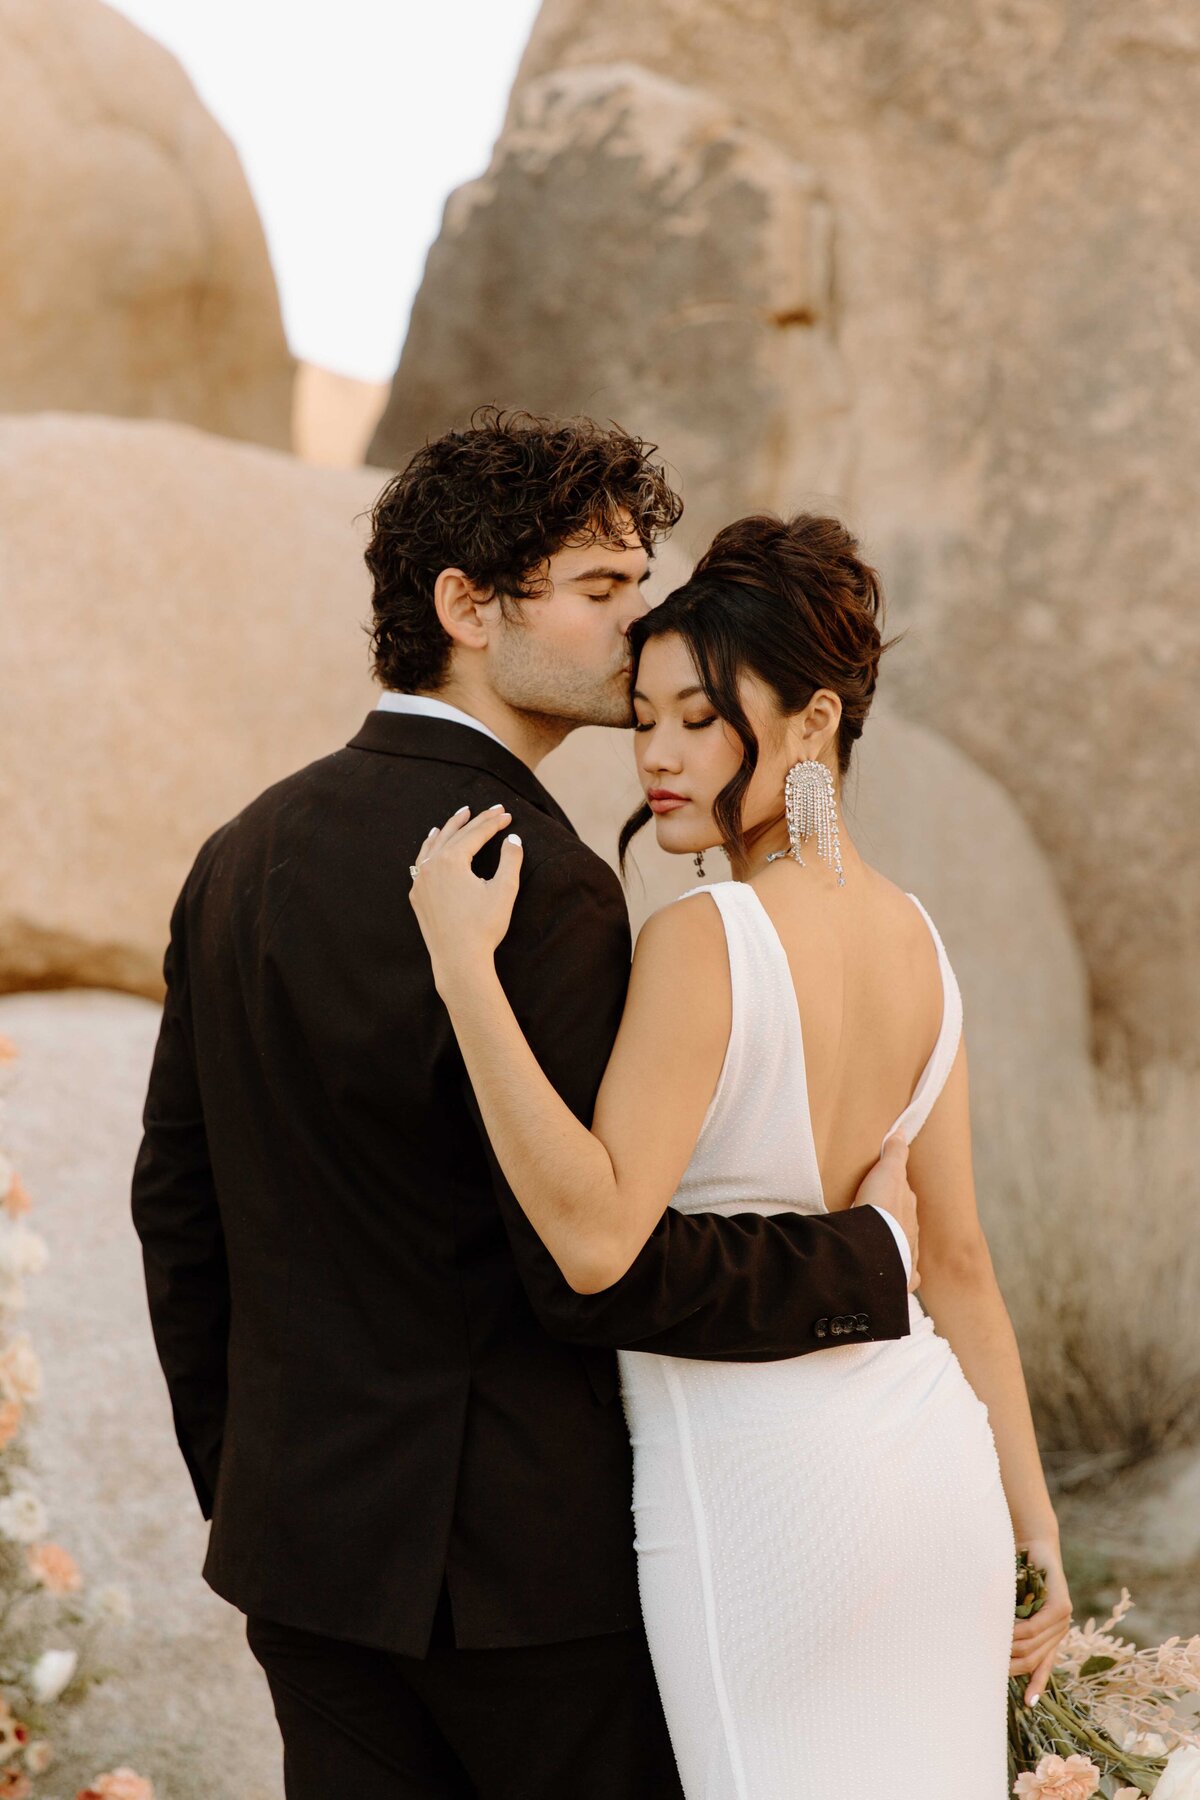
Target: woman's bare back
(869, 992)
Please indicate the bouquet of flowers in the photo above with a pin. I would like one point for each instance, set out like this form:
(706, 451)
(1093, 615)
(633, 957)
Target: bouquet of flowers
(1111, 1720)
(48, 1625)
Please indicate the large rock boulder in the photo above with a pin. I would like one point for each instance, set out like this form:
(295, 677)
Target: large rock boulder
(334, 416)
(1017, 378)
(136, 273)
(184, 1703)
(634, 252)
(183, 625)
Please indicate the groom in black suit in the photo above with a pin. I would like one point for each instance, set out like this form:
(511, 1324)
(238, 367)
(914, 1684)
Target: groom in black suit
(402, 1422)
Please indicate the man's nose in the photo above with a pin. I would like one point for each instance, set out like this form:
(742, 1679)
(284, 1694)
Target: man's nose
(637, 609)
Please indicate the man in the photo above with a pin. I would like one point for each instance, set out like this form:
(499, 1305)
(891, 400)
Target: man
(401, 1420)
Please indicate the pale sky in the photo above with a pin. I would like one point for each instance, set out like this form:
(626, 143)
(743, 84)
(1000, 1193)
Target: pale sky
(353, 119)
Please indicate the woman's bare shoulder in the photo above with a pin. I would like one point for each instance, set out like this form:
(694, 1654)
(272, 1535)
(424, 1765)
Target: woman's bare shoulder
(683, 929)
(681, 974)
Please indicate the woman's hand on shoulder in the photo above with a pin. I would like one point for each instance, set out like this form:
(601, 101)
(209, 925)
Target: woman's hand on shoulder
(462, 917)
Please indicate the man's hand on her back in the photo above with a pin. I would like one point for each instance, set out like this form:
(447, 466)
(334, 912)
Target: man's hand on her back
(886, 1186)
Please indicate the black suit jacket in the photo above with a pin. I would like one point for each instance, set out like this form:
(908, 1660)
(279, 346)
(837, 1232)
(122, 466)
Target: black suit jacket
(377, 1373)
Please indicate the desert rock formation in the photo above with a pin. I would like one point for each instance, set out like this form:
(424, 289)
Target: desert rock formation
(634, 252)
(983, 355)
(136, 278)
(183, 626)
(334, 416)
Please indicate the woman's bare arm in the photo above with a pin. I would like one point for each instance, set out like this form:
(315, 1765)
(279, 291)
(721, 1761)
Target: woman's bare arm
(961, 1294)
(593, 1197)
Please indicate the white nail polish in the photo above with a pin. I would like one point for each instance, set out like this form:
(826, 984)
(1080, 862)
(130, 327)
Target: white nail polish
(1033, 1699)
(512, 838)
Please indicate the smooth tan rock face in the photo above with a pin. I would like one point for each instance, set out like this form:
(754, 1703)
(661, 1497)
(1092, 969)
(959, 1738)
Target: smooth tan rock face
(923, 814)
(182, 626)
(135, 273)
(333, 416)
(634, 253)
(1014, 285)
(185, 1703)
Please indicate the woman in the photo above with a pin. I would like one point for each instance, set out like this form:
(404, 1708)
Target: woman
(825, 1545)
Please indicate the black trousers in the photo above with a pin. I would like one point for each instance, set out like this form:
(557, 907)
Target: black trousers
(574, 1721)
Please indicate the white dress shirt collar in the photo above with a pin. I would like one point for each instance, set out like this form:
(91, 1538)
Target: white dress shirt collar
(423, 706)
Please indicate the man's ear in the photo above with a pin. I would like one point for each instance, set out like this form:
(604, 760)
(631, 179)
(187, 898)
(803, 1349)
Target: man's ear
(460, 603)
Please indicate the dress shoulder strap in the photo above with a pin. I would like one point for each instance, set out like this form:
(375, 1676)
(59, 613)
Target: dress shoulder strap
(941, 1057)
(763, 999)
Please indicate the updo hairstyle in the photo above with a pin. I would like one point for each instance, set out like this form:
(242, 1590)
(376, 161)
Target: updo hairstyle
(791, 602)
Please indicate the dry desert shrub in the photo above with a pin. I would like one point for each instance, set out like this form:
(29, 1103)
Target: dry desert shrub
(1094, 1225)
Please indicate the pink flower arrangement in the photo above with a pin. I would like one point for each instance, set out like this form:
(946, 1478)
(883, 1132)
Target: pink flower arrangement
(54, 1568)
(1144, 1695)
(20, 1370)
(11, 1414)
(118, 1784)
(37, 1576)
(13, 1735)
(1056, 1778)
(17, 1200)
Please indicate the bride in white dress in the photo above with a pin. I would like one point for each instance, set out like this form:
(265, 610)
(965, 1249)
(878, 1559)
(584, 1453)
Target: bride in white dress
(825, 1545)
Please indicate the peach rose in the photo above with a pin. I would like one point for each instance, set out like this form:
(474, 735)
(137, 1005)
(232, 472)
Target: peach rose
(14, 1786)
(11, 1414)
(55, 1568)
(17, 1200)
(8, 1051)
(1075, 1779)
(39, 1756)
(20, 1370)
(118, 1784)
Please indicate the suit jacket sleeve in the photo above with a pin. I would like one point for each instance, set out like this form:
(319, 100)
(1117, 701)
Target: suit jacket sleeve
(737, 1288)
(183, 1247)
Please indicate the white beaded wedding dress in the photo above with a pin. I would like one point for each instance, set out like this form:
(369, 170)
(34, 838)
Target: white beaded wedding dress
(825, 1554)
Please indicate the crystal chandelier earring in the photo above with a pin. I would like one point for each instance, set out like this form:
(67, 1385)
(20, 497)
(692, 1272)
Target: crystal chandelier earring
(811, 810)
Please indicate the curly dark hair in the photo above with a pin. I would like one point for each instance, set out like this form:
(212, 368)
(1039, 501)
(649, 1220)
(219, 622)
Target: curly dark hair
(792, 602)
(497, 501)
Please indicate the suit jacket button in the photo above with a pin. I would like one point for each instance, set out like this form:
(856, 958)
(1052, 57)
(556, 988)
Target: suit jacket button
(821, 1328)
(863, 1322)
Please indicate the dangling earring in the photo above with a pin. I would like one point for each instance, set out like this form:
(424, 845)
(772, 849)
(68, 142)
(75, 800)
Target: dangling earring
(811, 809)
(699, 861)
